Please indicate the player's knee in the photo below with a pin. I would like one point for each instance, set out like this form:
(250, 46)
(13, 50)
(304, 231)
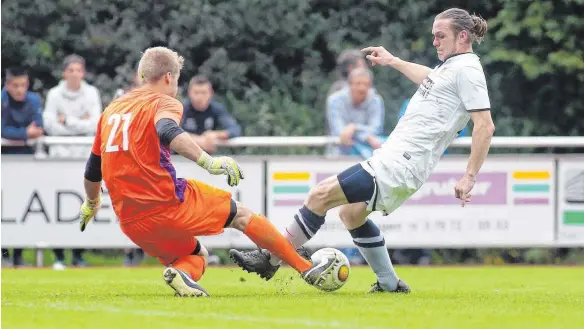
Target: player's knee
(348, 216)
(345, 215)
(242, 217)
(320, 197)
(353, 215)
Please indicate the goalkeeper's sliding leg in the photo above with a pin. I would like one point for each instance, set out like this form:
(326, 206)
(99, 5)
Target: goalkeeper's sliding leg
(206, 211)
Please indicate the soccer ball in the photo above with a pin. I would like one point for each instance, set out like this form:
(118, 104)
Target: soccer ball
(338, 275)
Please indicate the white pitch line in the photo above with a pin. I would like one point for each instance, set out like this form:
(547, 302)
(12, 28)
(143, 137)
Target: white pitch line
(209, 315)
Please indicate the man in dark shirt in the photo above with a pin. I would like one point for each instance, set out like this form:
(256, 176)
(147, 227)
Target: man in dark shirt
(204, 118)
(21, 113)
(21, 120)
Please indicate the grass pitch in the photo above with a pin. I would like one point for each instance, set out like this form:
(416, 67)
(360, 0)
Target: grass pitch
(442, 297)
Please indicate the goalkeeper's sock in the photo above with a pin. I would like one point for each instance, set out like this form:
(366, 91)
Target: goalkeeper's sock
(371, 244)
(193, 265)
(266, 236)
(304, 226)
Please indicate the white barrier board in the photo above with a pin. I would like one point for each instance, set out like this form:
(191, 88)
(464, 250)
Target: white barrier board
(41, 200)
(513, 204)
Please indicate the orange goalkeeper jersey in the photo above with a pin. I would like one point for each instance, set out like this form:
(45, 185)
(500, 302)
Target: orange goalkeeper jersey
(135, 166)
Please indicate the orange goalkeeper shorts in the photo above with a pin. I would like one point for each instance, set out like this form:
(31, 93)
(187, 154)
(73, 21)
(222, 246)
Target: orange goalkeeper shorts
(170, 235)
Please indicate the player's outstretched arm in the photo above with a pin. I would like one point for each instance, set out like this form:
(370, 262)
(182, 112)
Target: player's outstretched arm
(169, 132)
(482, 132)
(92, 184)
(380, 56)
(182, 143)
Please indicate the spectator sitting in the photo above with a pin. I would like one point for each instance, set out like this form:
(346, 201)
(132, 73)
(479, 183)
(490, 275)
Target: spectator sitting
(348, 60)
(205, 119)
(21, 112)
(72, 108)
(356, 114)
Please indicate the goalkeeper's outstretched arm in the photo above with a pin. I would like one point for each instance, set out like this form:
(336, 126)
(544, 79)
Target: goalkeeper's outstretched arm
(181, 142)
(92, 181)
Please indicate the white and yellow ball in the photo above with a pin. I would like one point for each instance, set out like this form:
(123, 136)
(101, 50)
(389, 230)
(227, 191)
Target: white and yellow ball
(340, 272)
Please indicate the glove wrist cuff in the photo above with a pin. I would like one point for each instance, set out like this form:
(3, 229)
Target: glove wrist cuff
(204, 160)
(92, 202)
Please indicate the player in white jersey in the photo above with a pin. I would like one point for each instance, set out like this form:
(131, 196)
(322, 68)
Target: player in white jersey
(448, 96)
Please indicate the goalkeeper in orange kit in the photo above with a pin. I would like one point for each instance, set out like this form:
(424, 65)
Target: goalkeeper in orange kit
(159, 212)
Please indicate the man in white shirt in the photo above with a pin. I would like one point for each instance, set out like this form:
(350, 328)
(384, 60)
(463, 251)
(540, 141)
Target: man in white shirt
(72, 108)
(448, 96)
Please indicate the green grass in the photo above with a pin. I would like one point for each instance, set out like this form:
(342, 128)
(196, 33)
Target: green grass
(442, 297)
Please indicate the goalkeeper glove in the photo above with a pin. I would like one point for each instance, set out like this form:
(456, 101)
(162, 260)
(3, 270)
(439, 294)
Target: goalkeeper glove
(88, 209)
(221, 166)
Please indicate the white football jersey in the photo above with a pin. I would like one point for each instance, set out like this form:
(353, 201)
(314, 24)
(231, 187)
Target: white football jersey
(436, 114)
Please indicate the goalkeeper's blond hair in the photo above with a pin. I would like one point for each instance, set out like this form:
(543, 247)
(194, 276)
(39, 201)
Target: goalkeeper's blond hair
(156, 62)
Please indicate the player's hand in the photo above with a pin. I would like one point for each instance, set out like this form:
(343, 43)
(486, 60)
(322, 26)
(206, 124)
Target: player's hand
(378, 55)
(222, 166)
(463, 187)
(88, 210)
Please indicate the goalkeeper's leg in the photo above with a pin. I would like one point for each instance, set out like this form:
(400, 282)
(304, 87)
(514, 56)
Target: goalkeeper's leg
(350, 186)
(265, 235)
(182, 273)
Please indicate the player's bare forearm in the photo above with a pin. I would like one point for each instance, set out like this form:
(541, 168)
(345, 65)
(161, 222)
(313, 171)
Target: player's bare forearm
(92, 189)
(184, 145)
(481, 141)
(415, 72)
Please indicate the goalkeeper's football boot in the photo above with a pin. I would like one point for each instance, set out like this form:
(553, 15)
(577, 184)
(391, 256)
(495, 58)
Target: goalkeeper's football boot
(258, 261)
(182, 283)
(255, 261)
(402, 287)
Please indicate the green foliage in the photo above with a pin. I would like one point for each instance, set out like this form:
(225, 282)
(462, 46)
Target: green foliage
(272, 62)
(536, 43)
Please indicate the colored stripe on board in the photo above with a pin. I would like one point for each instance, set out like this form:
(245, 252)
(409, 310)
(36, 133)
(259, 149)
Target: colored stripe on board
(291, 189)
(288, 203)
(531, 188)
(322, 176)
(527, 201)
(291, 176)
(574, 217)
(531, 175)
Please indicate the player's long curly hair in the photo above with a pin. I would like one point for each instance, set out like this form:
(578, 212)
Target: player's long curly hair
(463, 21)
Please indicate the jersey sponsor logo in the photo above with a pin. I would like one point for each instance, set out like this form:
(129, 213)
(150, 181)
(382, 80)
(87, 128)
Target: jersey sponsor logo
(425, 87)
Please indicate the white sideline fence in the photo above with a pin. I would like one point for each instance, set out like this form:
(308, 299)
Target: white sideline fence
(522, 200)
(319, 141)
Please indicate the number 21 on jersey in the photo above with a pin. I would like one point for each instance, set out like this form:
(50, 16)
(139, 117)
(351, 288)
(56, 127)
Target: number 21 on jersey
(115, 120)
